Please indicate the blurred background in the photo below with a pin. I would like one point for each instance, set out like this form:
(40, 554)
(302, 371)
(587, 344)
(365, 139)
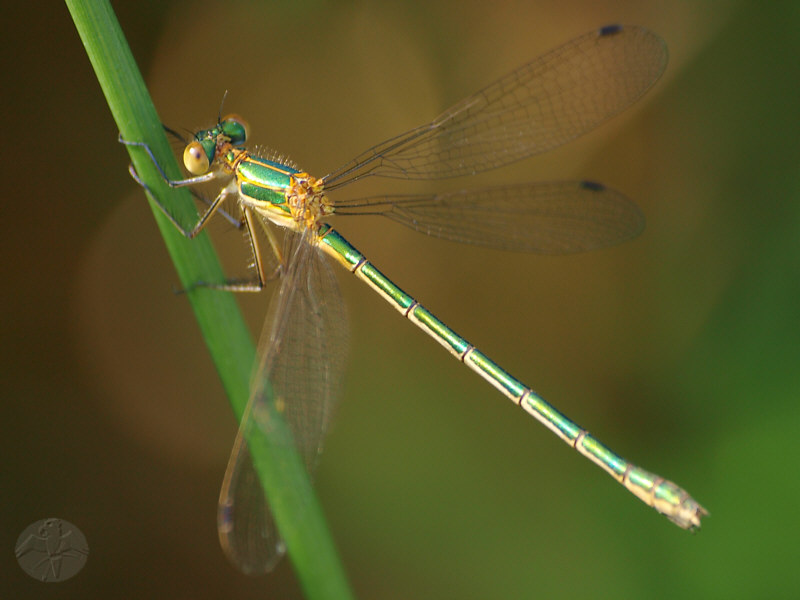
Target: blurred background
(678, 349)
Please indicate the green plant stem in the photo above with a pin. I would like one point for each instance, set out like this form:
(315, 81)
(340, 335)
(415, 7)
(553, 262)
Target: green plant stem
(283, 476)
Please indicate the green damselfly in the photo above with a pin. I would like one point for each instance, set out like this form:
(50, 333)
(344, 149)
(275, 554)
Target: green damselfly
(543, 104)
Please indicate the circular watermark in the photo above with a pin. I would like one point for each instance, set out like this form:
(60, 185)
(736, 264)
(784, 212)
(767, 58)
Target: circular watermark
(51, 550)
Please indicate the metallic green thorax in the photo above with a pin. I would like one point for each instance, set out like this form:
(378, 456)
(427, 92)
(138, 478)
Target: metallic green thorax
(264, 180)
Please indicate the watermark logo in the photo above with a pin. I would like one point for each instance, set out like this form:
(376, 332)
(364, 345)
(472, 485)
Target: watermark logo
(51, 550)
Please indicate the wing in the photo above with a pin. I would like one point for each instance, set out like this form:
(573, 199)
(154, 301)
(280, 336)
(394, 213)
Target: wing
(545, 217)
(302, 353)
(540, 106)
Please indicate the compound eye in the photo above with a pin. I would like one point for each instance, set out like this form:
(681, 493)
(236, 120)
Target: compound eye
(236, 128)
(195, 159)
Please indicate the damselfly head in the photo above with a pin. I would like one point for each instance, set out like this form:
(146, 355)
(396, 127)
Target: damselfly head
(199, 155)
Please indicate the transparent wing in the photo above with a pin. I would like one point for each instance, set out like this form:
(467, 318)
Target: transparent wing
(545, 217)
(302, 352)
(543, 104)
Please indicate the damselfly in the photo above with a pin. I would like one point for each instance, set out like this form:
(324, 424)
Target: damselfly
(543, 104)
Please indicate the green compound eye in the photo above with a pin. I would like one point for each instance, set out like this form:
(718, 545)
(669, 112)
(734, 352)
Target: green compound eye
(235, 128)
